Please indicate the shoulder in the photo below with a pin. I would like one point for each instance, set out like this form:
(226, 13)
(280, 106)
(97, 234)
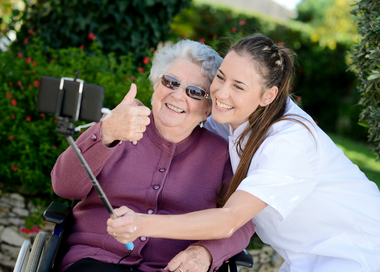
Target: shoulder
(212, 138)
(220, 129)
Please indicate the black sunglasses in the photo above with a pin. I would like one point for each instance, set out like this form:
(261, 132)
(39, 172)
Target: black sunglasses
(191, 91)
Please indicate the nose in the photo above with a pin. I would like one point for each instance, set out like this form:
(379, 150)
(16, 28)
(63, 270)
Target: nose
(222, 91)
(180, 92)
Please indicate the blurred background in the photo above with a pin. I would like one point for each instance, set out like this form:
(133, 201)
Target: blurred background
(111, 43)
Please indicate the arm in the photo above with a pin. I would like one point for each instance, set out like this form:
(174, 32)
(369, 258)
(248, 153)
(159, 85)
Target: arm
(209, 255)
(202, 225)
(126, 122)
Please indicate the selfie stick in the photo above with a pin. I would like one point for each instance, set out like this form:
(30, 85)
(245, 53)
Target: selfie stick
(65, 127)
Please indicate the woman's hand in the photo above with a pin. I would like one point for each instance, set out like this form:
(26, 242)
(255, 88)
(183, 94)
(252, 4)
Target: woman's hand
(127, 122)
(195, 259)
(124, 227)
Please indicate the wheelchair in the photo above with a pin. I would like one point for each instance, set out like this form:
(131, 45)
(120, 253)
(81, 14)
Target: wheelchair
(45, 251)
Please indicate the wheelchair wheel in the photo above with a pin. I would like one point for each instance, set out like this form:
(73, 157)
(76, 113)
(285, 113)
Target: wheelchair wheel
(35, 255)
(23, 257)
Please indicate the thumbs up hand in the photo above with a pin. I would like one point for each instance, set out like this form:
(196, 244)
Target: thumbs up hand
(127, 122)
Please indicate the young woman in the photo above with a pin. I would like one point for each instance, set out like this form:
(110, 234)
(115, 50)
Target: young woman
(307, 200)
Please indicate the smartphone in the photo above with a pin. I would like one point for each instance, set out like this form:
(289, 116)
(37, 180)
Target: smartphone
(64, 103)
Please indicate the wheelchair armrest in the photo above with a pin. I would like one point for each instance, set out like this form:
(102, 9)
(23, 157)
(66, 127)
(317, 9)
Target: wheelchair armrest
(56, 212)
(244, 259)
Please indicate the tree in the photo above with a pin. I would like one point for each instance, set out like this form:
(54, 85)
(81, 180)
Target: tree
(330, 19)
(120, 26)
(366, 65)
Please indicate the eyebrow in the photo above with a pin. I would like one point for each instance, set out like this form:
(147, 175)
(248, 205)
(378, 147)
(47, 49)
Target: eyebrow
(237, 81)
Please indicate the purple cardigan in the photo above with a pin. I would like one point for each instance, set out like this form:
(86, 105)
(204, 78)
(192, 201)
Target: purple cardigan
(155, 177)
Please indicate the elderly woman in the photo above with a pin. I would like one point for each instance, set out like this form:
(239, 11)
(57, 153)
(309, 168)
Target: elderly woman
(177, 167)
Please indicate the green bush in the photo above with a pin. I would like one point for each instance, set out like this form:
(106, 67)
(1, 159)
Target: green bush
(321, 79)
(366, 56)
(122, 26)
(30, 145)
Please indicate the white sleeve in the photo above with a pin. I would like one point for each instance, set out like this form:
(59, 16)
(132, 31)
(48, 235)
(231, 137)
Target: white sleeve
(280, 174)
(220, 129)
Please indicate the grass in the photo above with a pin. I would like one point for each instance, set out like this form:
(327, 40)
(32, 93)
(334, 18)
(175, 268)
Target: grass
(361, 155)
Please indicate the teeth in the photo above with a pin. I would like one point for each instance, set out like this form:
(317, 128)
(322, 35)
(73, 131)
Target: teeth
(223, 106)
(174, 108)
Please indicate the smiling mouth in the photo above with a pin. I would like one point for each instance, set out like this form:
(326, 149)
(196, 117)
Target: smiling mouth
(223, 106)
(175, 109)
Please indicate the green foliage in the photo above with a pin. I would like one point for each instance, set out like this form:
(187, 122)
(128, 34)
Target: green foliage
(321, 78)
(310, 11)
(30, 145)
(122, 26)
(330, 20)
(366, 64)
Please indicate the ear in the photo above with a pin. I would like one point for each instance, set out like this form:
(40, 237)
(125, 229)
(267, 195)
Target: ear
(269, 96)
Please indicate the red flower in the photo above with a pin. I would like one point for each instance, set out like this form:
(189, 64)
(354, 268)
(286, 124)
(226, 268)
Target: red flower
(10, 83)
(52, 60)
(30, 86)
(28, 60)
(140, 69)
(128, 79)
(242, 22)
(19, 83)
(202, 40)
(13, 102)
(9, 95)
(31, 32)
(11, 137)
(36, 230)
(36, 83)
(54, 147)
(298, 98)
(14, 167)
(133, 78)
(316, 122)
(42, 115)
(55, 120)
(233, 29)
(146, 60)
(28, 119)
(281, 43)
(13, 116)
(20, 55)
(26, 40)
(81, 47)
(34, 63)
(91, 36)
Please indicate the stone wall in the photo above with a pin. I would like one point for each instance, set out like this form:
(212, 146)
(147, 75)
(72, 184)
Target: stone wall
(13, 232)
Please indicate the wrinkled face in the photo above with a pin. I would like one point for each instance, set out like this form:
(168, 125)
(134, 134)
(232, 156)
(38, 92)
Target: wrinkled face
(236, 90)
(175, 113)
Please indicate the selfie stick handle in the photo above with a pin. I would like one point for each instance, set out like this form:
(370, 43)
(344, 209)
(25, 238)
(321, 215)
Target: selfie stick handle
(95, 183)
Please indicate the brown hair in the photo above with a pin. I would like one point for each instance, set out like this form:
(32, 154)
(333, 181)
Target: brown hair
(274, 63)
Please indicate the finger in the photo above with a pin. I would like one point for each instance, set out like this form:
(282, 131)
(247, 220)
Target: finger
(122, 210)
(130, 96)
(173, 264)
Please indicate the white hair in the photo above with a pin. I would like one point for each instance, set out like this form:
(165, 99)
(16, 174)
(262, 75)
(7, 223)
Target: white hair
(203, 55)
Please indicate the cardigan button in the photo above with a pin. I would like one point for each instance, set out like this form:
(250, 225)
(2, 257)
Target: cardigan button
(156, 187)
(143, 239)
(162, 170)
(150, 211)
(93, 137)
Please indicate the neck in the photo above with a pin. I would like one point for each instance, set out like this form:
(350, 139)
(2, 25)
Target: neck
(174, 135)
